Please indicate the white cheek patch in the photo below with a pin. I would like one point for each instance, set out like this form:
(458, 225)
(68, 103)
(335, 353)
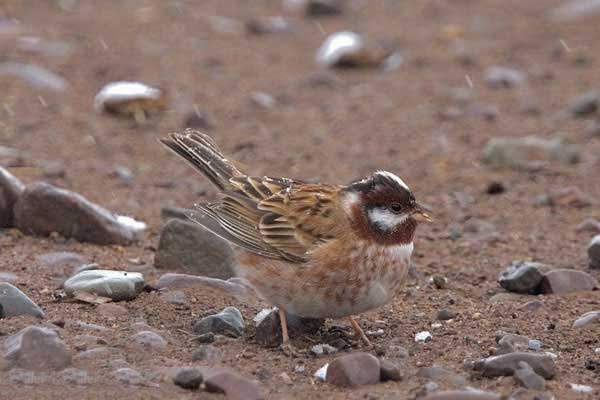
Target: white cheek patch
(385, 219)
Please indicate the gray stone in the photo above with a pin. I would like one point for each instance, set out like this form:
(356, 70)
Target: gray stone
(322, 349)
(150, 339)
(389, 371)
(463, 395)
(34, 76)
(354, 370)
(262, 100)
(526, 377)
(227, 322)
(43, 209)
(14, 302)
(594, 252)
(36, 348)
(510, 342)
(268, 326)
(188, 378)
(190, 248)
(74, 376)
(507, 364)
(10, 190)
(128, 376)
(502, 77)
(567, 281)
(585, 104)
(534, 345)
(206, 353)
(522, 277)
(117, 285)
(528, 153)
(444, 314)
(589, 319)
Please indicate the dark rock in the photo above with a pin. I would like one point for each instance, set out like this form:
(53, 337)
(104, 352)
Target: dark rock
(43, 209)
(594, 252)
(526, 377)
(585, 104)
(14, 302)
(507, 364)
(566, 281)
(463, 395)
(495, 188)
(522, 277)
(36, 348)
(354, 370)
(10, 190)
(234, 386)
(268, 326)
(188, 247)
(389, 371)
(228, 322)
(188, 378)
(445, 314)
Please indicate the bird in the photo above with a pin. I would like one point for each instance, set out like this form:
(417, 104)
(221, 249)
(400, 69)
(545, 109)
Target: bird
(315, 250)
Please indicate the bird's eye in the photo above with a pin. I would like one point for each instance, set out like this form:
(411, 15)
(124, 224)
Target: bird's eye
(395, 207)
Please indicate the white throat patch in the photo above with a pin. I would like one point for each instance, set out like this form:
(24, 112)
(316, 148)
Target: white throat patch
(385, 219)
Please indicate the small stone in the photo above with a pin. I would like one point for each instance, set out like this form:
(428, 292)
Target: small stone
(589, 225)
(585, 104)
(445, 314)
(188, 378)
(117, 285)
(567, 281)
(150, 339)
(234, 386)
(587, 320)
(262, 100)
(522, 277)
(529, 153)
(188, 247)
(124, 174)
(322, 349)
(463, 395)
(43, 209)
(348, 49)
(423, 337)
(440, 282)
(534, 345)
(133, 99)
(74, 376)
(35, 76)
(594, 252)
(494, 188)
(502, 77)
(206, 353)
(14, 302)
(321, 374)
(128, 376)
(268, 25)
(389, 371)
(227, 322)
(581, 388)
(526, 377)
(354, 370)
(507, 364)
(36, 348)
(10, 190)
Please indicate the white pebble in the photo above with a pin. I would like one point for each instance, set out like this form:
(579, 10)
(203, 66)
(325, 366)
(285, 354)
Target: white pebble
(424, 336)
(581, 388)
(123, 91)
(337, 46)
(321, 374)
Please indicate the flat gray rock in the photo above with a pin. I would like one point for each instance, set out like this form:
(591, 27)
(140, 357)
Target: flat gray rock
(189, 248)
(10, 190)
(43, 209)
(117, 285)
(507, 364)
(589, 319)
(567, 281)
(227, 322)
(36, 348)
(14, 302)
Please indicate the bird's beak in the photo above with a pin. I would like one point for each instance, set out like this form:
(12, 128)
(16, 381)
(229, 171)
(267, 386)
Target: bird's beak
(421, 214)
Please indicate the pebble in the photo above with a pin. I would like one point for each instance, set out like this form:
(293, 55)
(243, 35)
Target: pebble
(354, 370)
(43, 209)
(262, 100)
(462, 395)
(268, 326)
(506, 364)
(268, 25)
(522, 277)
(502, 77)
(150, 339)
(133, 99)
(389, 371)
(188, 378)
(74, 376)
(589, 225)
(534, 345)
(36, 348)
(128, 376)
(322, 349)
(188, 247)
(567, 281)
(117, 285)
(424, 336)
(227, 322)
(585, 104)
(321, 374)
(526, 377)
(234, 386)
(10, 190)
(529, 153)
(206, 353)
(14, 302)
(587, 319)
(594, 252)
(581, 388)
(348, 49)
(35, 76)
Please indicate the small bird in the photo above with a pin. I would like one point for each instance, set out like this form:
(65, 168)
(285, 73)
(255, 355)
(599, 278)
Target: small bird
(312, 249)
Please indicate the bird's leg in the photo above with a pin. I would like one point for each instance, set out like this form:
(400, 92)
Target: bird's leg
(359, 331)
(286, 346)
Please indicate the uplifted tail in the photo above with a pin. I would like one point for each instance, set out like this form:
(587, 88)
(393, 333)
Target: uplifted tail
(201, 151)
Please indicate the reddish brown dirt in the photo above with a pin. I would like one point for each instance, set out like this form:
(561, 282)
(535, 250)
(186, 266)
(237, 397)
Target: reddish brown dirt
(364, 120)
